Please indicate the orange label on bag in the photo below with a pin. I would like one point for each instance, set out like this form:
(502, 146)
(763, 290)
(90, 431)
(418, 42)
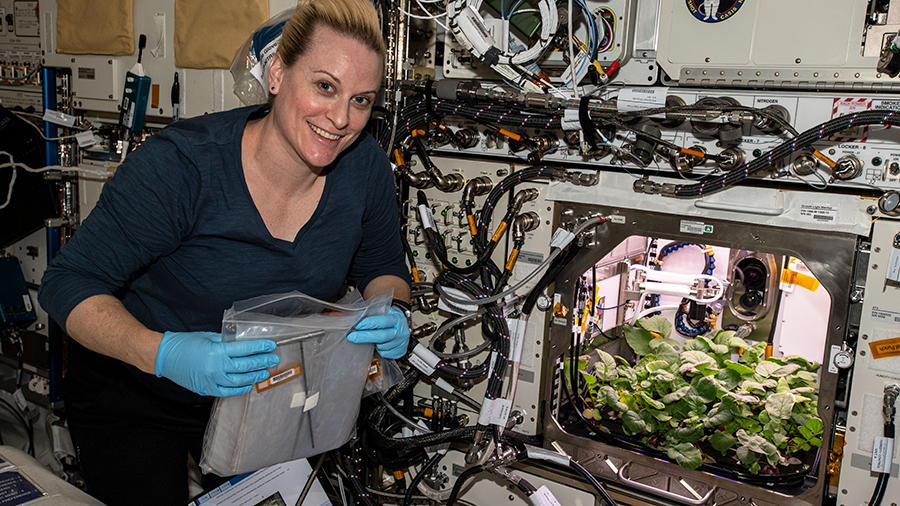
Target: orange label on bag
(280, 377)
(885, 348)
(374, 370)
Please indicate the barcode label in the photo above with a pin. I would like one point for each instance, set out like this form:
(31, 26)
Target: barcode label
(695, 227)
(818, 213)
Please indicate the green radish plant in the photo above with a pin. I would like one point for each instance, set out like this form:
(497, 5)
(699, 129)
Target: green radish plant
(759, 412)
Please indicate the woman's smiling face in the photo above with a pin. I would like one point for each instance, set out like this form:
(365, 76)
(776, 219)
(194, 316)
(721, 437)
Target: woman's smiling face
(323, 101)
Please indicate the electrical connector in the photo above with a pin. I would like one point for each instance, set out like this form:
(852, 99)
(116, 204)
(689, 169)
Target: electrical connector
(890, 397)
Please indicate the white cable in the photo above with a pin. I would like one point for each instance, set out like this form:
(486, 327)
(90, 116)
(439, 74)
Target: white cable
(41, 133)
(574, 72)
(656, 309)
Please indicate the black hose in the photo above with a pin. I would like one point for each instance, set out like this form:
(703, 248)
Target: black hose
(785, 149)
(593, 481)
(881, 485)
(461, 481)
(407, 500)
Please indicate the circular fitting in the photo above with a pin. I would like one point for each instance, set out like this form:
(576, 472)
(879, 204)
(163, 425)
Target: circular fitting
(466, 138)
(644, 147)
(546, 142)
(766, 125)
(455, 182)
(683, 162)
(804, 165)
(889, 203)
(734, 158)
(847, 167)
(894, 168)
(706, 129)
(671, 101)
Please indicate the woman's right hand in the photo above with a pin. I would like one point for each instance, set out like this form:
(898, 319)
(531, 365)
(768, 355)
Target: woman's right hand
(202, 363)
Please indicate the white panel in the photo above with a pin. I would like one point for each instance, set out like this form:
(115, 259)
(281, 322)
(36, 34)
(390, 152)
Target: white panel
(880, 320)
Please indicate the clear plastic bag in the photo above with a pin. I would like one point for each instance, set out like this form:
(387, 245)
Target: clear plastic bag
(251, 62)
(310, 402)
(383, 374)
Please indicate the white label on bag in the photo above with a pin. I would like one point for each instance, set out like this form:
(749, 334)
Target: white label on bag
(311, 401)
(298, 400)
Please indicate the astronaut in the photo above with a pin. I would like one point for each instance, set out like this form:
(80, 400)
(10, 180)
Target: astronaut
(710, 8)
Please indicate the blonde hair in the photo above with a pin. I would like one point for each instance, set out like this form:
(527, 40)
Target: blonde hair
(354, 18)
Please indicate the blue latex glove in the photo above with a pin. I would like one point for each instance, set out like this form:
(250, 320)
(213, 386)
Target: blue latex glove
(389, 332)
(201, 362)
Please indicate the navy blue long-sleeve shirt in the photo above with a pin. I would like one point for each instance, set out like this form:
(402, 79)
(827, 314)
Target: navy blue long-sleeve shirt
(177, 238)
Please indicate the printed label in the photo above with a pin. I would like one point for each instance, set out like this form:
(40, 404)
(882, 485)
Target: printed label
(818, 213)
(27, 300)
(695, 227)
(421, 365)
(882, 454)
(885, 348)
(844, 106)
(639, 99)
(619, 220)
(832, 368)
(546, 497)
(279, 378)
(500, 413)
(893, 268)
(885, 315)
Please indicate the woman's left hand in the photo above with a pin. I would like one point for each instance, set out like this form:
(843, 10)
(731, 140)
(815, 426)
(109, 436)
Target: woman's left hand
(389, 332)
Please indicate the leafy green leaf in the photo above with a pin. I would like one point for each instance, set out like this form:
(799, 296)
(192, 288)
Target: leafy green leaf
(653, 403)
(686, 455)
(779, 406)
(815, 425)
(626, 372)
(605, 367)
(694, 345)
(719, 415)
(667, 353)
(756, 443)
(728, 378)
(656, 342)
(675, 396)
(740, 368)
(686, 434)
(746, 456)
(785, 370)
(638, 339)
(737, 342)
(707, 387)
(783, 386)
(612, 398)
(722, 441)
(815, 441)
(806, 433)
(659, 324)
(632, 422)
(660, 416)
(657, 365)
(662, 375)
(766, 369)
